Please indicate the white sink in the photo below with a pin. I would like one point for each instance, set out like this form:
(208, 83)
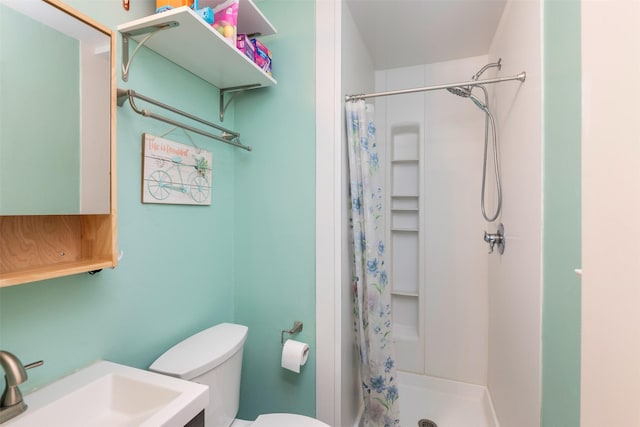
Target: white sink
(107, 394)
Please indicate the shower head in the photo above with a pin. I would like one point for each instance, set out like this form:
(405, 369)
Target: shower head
(463, 91)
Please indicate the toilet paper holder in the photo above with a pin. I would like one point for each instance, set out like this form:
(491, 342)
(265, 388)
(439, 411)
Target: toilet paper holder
(297, 327)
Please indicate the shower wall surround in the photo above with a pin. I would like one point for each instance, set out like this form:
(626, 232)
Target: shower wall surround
(479, 317)
(515, 278)
(437, 330)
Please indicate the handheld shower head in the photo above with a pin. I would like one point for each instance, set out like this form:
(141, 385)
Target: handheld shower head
(481, 105)
(465, 92)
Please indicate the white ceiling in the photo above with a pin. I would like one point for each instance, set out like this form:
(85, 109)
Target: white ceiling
(401, 33)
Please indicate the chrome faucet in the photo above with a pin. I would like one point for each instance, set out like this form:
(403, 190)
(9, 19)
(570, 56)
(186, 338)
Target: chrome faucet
(495, 238)
(15, 373)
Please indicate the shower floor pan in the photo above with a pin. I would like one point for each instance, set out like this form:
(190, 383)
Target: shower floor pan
(446, 403)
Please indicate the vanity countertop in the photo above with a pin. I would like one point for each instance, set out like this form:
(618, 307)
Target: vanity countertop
(110, 394)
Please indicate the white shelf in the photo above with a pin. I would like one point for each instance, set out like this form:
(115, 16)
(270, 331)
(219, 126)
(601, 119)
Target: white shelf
(250, 19)
(197, 47)
(405, 294)
(405, 161)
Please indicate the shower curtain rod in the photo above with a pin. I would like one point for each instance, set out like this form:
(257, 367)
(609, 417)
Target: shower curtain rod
(521, 77)
(227, 136)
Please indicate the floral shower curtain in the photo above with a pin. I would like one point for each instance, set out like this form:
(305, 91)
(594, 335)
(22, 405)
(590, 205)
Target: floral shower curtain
(371, 288)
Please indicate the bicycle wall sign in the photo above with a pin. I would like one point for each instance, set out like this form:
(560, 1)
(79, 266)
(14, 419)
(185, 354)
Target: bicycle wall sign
(174, 173)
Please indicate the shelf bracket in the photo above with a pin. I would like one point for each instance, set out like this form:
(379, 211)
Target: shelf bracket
(235, 90)
(149, 31)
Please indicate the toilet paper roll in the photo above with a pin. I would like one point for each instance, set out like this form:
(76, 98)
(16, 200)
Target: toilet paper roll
(294, 355)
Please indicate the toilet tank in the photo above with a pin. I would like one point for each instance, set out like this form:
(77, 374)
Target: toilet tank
(212, 357)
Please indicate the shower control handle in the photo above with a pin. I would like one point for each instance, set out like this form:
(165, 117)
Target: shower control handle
(495, 238)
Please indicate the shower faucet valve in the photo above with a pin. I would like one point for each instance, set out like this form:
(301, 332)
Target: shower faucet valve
(495, 238)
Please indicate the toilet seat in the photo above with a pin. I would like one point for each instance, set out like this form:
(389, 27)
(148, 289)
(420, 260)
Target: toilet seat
(287, 420)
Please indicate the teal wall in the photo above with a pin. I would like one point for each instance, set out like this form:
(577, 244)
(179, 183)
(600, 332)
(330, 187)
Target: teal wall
(249, 257)
(562, 241)
(275, 213)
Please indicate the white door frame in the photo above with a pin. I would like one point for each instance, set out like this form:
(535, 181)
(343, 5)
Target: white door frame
(328, 208)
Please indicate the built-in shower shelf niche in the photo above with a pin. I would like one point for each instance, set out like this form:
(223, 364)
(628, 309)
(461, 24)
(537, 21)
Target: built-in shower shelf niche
(404, 203)
(405, 229)
(404, 262)
(405, 317)
(405, 220)
(405, 178)
(405, 145)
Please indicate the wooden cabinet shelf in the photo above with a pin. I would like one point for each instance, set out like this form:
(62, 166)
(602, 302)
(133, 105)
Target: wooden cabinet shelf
(43, 247)
(49, 272)
(197, 47)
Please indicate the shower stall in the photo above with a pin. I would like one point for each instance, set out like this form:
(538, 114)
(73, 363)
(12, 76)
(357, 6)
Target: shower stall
(467, 324)
(439, 265)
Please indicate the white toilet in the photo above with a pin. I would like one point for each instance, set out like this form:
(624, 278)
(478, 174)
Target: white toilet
(213, 357)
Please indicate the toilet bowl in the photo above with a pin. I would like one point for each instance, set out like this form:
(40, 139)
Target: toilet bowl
(213, 357)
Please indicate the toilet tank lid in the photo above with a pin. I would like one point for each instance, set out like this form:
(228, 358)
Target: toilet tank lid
(201, 352)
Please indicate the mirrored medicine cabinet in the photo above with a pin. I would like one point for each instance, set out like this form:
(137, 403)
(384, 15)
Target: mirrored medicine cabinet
(57, 142)
(54, 112)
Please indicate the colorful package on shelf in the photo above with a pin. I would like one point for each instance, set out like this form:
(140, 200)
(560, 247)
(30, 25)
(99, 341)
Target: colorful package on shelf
(206, 13)
(226, 20)
(162, 5)
(262, 56)
(245, 46)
